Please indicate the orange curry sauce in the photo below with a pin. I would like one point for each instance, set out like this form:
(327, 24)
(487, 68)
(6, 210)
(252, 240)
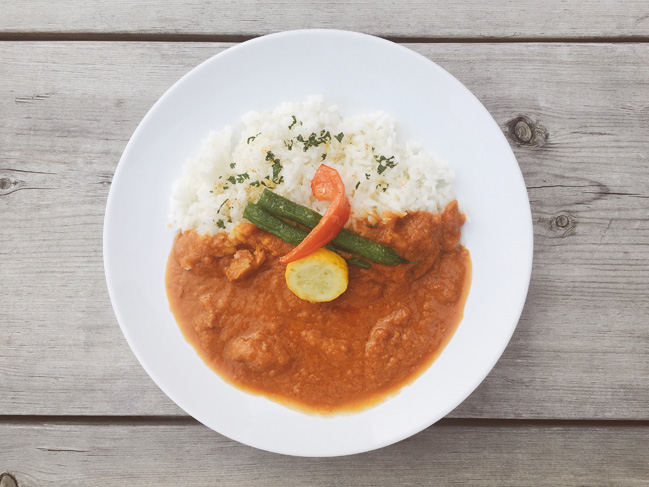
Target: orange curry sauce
(232, 304)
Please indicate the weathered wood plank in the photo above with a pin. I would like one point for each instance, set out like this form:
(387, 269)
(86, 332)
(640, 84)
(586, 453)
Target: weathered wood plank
(580, 349)
(404, 19)
(446, 454)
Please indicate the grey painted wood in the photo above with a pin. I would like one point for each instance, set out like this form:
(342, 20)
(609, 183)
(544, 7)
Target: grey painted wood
(580, 348)
(190, 454)
(407, 18)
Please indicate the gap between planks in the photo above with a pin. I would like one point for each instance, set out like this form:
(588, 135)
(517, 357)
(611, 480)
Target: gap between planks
(144, 37)
(188, 420)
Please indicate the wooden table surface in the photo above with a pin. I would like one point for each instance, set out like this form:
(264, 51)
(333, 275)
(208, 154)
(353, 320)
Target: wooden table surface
(567, 404)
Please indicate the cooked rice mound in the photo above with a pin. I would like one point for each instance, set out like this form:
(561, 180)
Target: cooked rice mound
(282, 149)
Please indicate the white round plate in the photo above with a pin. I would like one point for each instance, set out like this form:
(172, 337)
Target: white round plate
(359, 73)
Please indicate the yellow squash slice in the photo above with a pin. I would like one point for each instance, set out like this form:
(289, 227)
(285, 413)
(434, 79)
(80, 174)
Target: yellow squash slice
(318, 277)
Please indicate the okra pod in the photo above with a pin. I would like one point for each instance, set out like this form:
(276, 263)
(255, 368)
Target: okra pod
(278, 227)
(284, 208)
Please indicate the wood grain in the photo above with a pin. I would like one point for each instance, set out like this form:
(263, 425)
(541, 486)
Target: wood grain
(56, 454)
(466, 19)
(577, 116)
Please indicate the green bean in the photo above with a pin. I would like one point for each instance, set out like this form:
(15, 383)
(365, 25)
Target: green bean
(293, 235)
(279, 206)
(271, 224)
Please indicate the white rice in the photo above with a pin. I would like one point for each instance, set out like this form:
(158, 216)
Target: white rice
(216, 186)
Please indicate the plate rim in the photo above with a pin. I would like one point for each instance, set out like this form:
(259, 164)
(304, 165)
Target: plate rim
(233, 50)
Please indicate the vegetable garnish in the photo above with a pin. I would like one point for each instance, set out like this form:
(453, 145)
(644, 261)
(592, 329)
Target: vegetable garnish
(289, 233)
(319, 277)
(327, 185)
(284, 208)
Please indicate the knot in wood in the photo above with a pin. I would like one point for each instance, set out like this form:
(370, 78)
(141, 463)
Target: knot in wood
(7, 480)
(5, 183)
(526, 132)
(561, 221)
(523, 131)
(563, 224)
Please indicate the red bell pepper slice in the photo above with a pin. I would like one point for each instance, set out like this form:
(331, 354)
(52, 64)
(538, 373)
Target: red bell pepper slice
(326, 185)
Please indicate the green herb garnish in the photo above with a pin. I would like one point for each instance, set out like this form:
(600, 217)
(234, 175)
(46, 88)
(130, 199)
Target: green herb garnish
(339, 137)
(239, 178)
(384, 163)
(219, 210)
(277, 167)
(383, 186)
(314, 140)
(250, 139)
(294, 122)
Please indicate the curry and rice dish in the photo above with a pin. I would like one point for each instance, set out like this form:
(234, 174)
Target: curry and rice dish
(318, 262)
